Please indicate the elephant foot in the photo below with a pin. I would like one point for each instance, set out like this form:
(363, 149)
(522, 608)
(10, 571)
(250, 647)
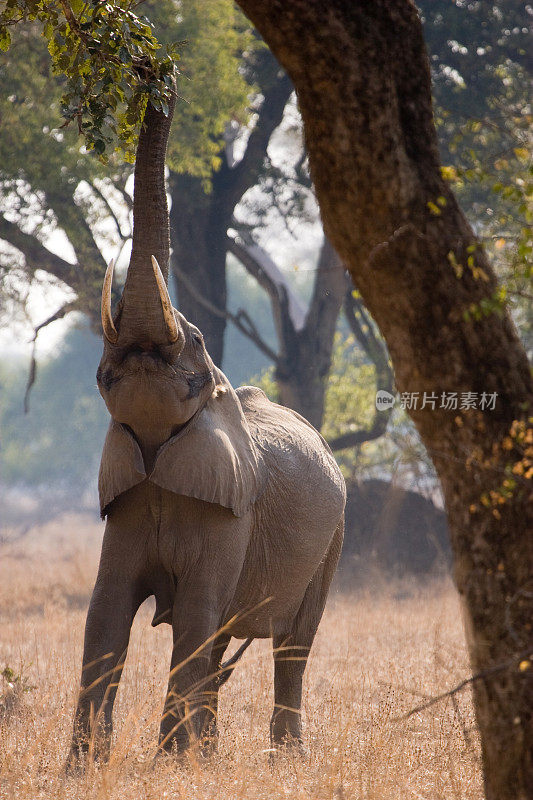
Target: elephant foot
(174, 741)
(288, 746)
(286, 733)
(75, 765)
(88, 748)
(197, 738)
(193, 750)
(78, 761)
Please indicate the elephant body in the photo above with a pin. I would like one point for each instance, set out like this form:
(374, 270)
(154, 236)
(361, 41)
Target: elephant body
(267, 555)
(261, 569)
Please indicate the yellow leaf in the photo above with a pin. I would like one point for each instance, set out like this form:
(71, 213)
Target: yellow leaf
(448, 173)
(522, 153)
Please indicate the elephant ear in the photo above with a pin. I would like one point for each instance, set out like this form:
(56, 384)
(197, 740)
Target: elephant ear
(214, 457)
(121, 466)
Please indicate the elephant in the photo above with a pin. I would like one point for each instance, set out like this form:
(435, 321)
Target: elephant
(225, 506)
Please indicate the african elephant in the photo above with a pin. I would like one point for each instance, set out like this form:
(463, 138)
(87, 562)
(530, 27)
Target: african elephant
(225, 506)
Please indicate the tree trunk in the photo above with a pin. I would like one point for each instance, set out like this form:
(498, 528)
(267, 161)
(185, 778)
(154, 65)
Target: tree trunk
(305, 355)
(199, 241)
(362, 77)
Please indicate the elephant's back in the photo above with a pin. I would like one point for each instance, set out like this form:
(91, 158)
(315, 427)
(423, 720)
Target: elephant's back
(295, 517)
(298, 459)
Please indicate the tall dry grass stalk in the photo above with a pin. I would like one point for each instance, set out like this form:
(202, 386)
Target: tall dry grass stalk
(377, 652)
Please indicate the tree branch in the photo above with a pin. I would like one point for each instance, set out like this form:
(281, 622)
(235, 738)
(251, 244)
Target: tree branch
(259, 264)
(59, 314)
(98, 192)
(516, 661)
(233, 182)
(375, 350)
(247, 327)
(36, 254)
(302, 174)
(74, 223)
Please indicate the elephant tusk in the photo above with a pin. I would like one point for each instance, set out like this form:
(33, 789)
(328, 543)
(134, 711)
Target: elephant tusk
(173, 332)
(108, 326)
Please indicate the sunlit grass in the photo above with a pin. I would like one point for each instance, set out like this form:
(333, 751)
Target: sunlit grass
(374, 657)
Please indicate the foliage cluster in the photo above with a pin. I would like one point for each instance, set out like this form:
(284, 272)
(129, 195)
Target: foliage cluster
(55, 194)
(481, 70)
(513, 456)
(109, 60)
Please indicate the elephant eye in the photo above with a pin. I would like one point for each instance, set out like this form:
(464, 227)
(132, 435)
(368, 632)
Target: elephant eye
(197, 338)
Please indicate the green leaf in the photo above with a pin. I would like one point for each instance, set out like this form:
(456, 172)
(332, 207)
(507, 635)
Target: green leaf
(5, 39)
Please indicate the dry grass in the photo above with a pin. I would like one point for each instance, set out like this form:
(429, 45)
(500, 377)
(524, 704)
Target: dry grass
(374, 656)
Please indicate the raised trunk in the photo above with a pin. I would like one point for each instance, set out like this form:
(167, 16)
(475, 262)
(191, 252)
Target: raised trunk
(141, 307)
(362, 77)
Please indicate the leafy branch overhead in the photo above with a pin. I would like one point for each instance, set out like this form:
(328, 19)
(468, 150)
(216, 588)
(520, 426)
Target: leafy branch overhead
(111, 62)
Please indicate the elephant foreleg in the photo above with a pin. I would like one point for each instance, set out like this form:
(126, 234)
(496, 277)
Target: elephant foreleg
(113, 606)
(192, 698)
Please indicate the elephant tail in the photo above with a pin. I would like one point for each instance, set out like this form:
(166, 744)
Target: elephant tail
(227, 667)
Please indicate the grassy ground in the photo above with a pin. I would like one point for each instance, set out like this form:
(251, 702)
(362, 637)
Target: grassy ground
(377, 653)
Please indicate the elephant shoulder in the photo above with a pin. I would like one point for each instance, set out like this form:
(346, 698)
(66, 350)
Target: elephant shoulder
(289, 444)
(250, 396)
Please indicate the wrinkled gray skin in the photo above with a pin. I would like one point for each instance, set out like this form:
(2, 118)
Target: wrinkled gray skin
(225, 506)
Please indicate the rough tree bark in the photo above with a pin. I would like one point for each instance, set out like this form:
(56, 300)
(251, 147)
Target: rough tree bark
(362, 78)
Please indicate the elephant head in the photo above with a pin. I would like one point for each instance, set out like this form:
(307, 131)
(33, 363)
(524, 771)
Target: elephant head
(155, 372)
(175, 417)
